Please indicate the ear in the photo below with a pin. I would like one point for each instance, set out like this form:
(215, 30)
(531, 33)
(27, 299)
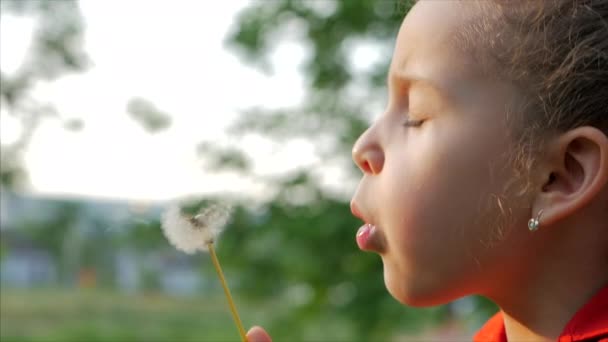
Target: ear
(574, 172)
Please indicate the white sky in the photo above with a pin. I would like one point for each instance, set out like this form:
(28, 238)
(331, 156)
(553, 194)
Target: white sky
(172, 54)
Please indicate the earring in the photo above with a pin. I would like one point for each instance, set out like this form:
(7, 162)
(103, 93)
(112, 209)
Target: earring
(534, 223)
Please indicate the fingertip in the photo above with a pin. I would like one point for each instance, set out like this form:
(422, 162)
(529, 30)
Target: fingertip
(258, 334)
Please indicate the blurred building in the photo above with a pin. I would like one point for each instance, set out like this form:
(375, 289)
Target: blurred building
(53, 241)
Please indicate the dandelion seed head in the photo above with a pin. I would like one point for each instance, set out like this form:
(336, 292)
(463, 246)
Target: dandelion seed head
(193, 233)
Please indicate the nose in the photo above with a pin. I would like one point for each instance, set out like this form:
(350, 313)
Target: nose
(367, 152)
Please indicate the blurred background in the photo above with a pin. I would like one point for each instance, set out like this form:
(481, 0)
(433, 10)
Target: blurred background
(111, 110)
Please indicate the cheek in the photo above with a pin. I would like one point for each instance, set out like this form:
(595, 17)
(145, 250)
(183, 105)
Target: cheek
(434, 187)
(446, 175)
(438, 187)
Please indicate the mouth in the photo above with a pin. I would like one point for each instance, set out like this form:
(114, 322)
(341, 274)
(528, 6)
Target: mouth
(369, 237)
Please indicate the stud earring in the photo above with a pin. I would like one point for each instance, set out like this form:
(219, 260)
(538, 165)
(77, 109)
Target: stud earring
(534, 223)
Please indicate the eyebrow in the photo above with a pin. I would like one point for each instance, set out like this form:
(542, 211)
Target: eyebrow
(416, 79)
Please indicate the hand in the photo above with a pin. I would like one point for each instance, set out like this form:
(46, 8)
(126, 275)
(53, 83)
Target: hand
(258, 334)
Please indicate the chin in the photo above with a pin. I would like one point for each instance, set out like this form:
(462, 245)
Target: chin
(410, 292)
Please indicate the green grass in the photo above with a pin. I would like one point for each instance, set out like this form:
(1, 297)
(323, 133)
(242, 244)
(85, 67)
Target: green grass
(62, 315)
(95, 316)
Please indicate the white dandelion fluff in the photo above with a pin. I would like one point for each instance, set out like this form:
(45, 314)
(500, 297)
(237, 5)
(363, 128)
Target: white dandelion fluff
(195, 233)
(191, 233)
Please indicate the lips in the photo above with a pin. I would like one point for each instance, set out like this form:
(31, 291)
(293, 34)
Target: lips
(369, 237)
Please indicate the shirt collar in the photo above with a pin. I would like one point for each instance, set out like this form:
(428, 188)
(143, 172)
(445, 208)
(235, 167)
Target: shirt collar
(590, 322)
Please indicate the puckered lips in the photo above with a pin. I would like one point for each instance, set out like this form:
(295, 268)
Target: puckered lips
(369, 237)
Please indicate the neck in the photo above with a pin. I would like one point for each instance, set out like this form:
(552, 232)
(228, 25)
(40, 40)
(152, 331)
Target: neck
(560, 275)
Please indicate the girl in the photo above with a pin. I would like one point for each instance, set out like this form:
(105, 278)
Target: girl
(487, 173)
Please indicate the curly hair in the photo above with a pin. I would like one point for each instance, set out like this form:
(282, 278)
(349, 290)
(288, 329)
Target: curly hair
(556, 54)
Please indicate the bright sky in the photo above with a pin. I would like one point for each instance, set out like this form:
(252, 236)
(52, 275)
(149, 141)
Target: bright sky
(172, 55)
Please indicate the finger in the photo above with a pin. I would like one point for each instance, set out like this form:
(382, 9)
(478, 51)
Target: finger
(257, 334)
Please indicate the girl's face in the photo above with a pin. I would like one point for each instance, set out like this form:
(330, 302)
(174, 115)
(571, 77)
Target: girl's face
(435, 163)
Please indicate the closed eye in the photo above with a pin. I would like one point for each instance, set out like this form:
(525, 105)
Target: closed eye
(413, 123)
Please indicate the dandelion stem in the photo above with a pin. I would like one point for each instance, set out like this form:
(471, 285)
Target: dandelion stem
(235, 314)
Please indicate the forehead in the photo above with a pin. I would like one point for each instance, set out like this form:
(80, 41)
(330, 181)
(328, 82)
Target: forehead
(427, 46)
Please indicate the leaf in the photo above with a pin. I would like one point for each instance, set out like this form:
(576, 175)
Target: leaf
(147, 115)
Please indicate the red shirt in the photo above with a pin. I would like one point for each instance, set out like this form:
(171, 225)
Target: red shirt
(590, 323)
